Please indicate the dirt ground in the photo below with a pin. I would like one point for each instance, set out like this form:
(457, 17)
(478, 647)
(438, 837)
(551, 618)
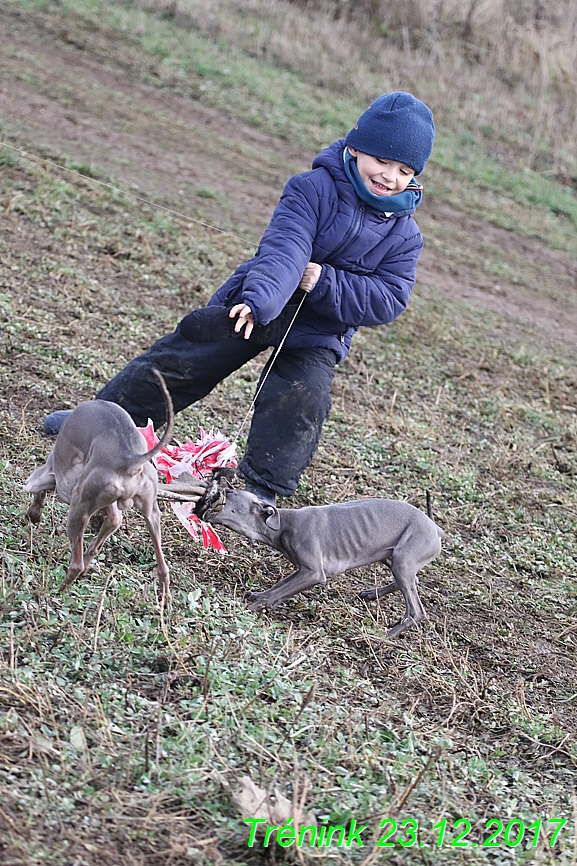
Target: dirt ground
(81, 96)
(488, 428)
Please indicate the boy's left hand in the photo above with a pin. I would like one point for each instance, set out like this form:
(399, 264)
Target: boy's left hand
(245, 319)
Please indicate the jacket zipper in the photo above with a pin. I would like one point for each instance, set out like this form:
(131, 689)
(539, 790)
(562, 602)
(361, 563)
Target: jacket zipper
(350, 237)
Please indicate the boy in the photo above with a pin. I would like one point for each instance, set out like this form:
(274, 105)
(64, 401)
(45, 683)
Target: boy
(344, 234)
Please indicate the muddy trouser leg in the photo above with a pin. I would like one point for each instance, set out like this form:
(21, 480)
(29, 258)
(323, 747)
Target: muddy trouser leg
(190, 370)
(288, 418)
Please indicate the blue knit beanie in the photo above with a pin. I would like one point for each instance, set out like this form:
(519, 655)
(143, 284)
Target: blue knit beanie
(396, 126)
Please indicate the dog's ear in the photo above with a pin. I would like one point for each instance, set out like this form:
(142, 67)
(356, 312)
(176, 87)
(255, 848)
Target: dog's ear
(272, 518)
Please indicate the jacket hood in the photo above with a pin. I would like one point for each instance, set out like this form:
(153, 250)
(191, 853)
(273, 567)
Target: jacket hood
(331, 158)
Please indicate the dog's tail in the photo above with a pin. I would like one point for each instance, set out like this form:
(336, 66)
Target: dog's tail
(143, 458)
(429, 506)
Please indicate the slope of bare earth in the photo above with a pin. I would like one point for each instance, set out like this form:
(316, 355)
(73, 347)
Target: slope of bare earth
(125, 728)
(79, 95)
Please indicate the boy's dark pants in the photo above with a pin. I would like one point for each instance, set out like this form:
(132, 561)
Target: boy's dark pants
(288, 414)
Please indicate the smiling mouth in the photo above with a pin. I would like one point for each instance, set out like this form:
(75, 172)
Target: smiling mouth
(380, 187)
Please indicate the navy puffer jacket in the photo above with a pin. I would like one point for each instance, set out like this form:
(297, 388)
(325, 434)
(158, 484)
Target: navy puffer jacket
(368, 259)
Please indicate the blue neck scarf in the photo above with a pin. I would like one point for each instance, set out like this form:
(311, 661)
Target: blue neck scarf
(408, 200)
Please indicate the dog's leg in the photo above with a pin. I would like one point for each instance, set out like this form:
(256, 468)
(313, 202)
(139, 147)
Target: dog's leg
(78, 518)
(41, 480)
(76, 567)
(145, 502)
(111, 522)
(303, 578)
(373, 593)
(406, 580)
(152, 517)
(34, 513)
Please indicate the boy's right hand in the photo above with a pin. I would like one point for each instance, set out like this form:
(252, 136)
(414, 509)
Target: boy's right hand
(310, 277)
(245, 319)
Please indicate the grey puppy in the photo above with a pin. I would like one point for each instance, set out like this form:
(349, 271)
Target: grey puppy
(326, 540)
(100, 462)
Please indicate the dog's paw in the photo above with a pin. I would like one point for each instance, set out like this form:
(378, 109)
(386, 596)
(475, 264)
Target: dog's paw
(400, 627)
(34, 514)
(258, 600)
(72, 575)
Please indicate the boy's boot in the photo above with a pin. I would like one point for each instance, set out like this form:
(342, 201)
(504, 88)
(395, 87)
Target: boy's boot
(54, 421)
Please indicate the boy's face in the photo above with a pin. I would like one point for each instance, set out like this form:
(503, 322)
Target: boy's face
(382, 176)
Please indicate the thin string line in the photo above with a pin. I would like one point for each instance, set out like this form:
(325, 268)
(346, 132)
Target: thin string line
(117, 189)
(270, 363)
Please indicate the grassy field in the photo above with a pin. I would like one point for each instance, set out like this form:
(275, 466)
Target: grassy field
(125, 730)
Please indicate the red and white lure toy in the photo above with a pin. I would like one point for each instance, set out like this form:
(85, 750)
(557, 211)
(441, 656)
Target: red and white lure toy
(211, 451)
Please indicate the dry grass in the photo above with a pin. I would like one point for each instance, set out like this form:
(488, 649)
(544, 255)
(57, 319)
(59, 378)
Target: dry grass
(505, 72)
